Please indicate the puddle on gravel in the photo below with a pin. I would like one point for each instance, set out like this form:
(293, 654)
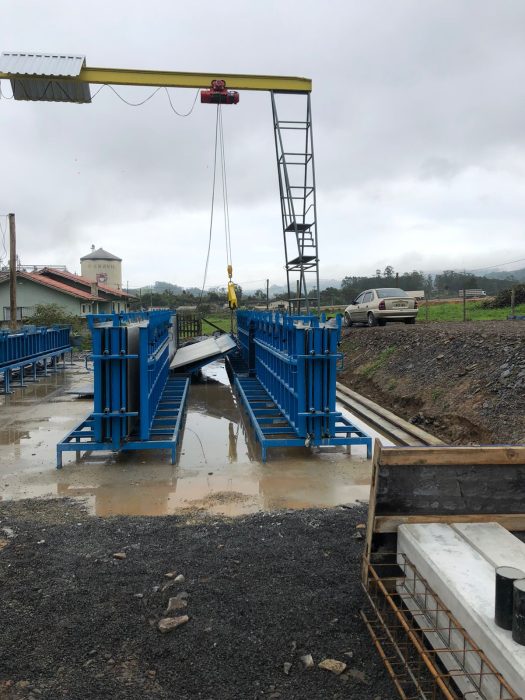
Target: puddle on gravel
(218, 467)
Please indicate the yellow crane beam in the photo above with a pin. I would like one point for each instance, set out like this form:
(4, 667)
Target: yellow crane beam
(169, 79)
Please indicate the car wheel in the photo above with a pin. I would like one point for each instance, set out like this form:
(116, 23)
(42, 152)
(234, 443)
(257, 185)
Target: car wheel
(348, 320)
(411, 321)
(371, 319)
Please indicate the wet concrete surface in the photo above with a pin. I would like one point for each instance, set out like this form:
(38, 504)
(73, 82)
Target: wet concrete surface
(218, 470)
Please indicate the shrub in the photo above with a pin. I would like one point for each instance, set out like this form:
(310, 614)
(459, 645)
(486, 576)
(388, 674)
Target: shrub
(503, 298)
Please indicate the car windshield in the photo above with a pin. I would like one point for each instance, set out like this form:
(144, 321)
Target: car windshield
(384, 293)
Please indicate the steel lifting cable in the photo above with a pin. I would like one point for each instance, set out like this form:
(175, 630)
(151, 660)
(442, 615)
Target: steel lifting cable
(219, 151)
(212, 207)
(225, 193)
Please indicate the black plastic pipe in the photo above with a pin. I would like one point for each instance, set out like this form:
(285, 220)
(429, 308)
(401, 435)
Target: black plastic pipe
(518, 617)
(505, 577)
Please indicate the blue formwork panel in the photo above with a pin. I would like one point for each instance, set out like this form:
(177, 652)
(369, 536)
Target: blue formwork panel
(292, 363)
(136, 404)
(34, 350)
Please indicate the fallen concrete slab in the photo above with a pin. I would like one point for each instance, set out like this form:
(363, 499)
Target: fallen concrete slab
(192, 357)
(464, 579)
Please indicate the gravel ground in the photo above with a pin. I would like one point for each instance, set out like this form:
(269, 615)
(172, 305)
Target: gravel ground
(262, 591)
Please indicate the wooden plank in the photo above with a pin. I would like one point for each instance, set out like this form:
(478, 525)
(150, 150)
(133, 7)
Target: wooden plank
(371, 509)
(390, 430)
(515, 522)
(422, 435)
(451, 455)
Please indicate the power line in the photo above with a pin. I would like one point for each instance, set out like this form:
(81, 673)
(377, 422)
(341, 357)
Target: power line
(148, 98)
(491, 267)
(123, 99)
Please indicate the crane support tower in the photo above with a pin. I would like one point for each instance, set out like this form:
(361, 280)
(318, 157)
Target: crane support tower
(66, 78)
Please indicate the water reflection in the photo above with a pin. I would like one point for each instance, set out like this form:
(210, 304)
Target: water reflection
(218, 469)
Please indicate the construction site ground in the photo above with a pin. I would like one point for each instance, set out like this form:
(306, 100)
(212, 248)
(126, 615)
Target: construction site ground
(275, 583)
(263, 590)
(463, 382)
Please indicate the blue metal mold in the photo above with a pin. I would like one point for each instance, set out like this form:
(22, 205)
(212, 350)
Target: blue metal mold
(286, 377)
(136, 404)
(34, 349)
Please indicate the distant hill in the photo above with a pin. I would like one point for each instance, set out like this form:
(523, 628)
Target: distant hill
(518, 275)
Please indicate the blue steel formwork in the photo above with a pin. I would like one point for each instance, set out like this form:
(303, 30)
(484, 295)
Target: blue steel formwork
(137, 405)
(287, 381)
(32, 348)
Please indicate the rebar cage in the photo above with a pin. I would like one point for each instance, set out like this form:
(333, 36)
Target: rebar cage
(427, 653)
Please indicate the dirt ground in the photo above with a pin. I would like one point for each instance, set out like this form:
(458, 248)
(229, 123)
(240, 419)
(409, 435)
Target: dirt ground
(463, 382)
(262, 591)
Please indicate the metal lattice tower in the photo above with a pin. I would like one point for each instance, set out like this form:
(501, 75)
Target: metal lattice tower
(295, 164)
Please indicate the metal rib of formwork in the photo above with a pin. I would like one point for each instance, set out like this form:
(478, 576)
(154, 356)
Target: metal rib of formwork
(32, 348)
(289, 390)
(136, 405)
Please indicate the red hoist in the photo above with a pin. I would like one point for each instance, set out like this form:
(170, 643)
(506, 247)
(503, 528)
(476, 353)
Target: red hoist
(219, 95)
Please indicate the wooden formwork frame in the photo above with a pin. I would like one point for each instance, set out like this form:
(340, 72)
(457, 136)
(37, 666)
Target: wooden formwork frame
(438, 485)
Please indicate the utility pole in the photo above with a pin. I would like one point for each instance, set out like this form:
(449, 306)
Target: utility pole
(267, 294)
(12, 273)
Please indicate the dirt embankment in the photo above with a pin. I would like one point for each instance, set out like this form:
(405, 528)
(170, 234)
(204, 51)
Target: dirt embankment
(463, 382)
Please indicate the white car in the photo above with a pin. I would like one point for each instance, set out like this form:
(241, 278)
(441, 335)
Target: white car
(377, 306)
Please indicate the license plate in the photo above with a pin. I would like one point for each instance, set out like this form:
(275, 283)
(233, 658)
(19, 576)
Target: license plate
(400, 306)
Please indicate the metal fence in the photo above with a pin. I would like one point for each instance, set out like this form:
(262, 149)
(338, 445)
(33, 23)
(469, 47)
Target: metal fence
(32, 349)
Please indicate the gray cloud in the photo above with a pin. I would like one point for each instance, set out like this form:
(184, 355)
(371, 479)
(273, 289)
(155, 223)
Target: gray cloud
(418, 126)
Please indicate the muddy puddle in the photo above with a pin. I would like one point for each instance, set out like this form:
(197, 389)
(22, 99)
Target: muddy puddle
(218, 469)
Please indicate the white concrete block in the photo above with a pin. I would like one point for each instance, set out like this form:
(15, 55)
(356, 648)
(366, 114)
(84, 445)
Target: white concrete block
(495, 543)
(465, 582)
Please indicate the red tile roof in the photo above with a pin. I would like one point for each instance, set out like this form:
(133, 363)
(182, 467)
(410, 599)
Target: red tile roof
(59, 286)
(84, 280)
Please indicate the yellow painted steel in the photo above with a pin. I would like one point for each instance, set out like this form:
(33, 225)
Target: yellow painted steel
(116, 76)
(155, 78)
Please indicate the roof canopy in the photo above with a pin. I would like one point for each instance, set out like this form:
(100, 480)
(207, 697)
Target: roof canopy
(100, 254)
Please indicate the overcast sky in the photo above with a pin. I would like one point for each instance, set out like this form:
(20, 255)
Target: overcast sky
(419, 130)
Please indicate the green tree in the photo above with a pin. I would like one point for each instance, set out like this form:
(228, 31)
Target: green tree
(54, 314)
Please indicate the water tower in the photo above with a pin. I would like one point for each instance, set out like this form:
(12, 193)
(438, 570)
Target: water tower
(102, 267)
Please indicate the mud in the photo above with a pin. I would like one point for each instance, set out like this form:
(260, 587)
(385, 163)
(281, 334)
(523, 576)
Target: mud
(218, 470)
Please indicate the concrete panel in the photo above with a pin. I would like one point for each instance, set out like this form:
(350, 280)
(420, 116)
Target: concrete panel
(496, 544)
(465, 582)
(199, 354)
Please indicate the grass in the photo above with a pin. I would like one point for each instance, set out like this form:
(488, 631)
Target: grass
(436, 312)
(221, 320)
(475, 312)
(371, 367)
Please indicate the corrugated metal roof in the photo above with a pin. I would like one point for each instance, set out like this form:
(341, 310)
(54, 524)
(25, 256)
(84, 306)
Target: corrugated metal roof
(30, 73)
(43, 64)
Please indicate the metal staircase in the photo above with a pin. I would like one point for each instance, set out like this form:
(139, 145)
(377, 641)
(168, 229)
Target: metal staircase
(295, 164)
